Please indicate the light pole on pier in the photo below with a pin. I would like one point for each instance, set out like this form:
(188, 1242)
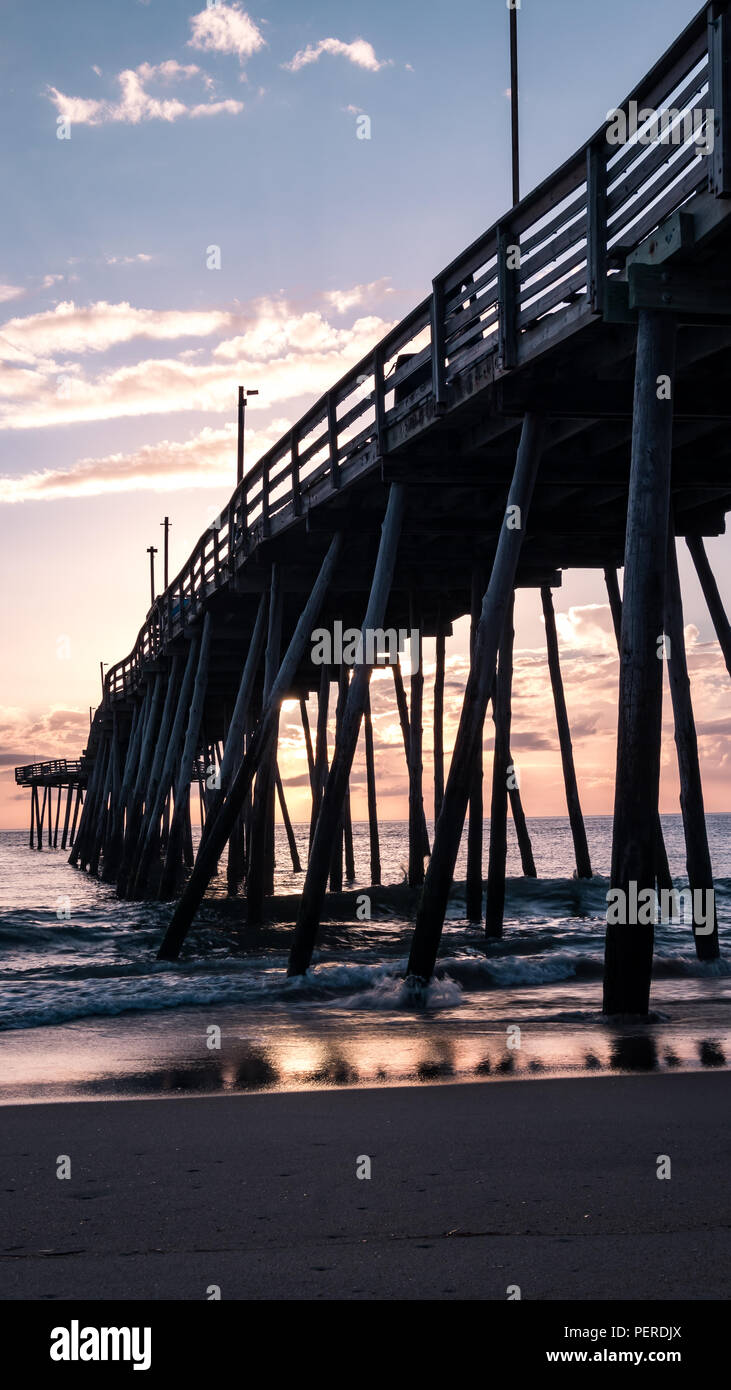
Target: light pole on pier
(514, 6)
(152, 552)
(242, 421)
(167, 524)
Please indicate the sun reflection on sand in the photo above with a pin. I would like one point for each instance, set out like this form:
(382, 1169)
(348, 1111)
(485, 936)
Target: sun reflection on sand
(127, 1057)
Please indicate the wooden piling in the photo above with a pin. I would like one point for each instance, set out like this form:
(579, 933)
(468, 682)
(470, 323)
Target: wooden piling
(176, 835)
(628, 950)
(208, 853)
(58, 813)
(33, 814)
(698, 856)
(435, 894)
(403, 713)
(321, 753)
(133, 821)
(308, 739)
(291, 840)
(416, 764)
(473, 887)
(502, 713)
(67, 815)
(336, 862)
(259, 874)
(438, 737)
(712, 596)
(525, 847)
(144, 881)
(576, 819)
(662, 868)
(313, 892)
(78, 804)
(373, 837)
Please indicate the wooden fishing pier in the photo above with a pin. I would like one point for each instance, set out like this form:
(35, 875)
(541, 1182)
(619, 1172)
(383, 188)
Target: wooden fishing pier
(560, 399)
(62, 776)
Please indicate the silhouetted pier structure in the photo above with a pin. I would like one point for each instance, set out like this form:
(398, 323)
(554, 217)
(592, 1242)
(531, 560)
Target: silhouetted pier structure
(59, 775)
(560, 399)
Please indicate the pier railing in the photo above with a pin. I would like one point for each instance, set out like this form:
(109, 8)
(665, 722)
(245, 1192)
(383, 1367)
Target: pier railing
(502, 299)
(59, 769)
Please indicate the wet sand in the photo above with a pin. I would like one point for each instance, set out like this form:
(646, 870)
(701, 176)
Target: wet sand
(549, 1185)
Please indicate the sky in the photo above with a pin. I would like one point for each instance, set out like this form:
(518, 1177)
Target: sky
(188, 206)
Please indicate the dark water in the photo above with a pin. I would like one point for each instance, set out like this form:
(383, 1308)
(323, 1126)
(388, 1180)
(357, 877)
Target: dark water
(86, 1009)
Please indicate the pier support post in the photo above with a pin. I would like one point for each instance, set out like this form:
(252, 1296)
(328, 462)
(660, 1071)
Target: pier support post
(502, 714)
(291, 841)
(403, 714)
(66, 815)
(308, 741)
(662, 868)
(116, 839)
(220, 826)
(101, 812)
(336, 862)
(140, 790)
(712, 596)
(435, 894)
(629, 948)
(321, 754)
(33, 814)
(439, 719)
(181, 814)
(259, 869)
(374, 844)
(159, 797)
(78, 805)
(698, 856)
(416, 766)
(576, 819)
(58, 813)
(313, 892)
(474, 883)
(522, 832)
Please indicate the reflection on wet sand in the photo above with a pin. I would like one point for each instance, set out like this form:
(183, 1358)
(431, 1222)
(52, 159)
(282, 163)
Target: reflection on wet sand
(297, 1056)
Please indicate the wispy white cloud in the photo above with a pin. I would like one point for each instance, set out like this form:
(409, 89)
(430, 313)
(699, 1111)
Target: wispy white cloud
(207, 459)
(344, 300)
(359, 52)
(44, 381)
(225, 29)
(136, 103)
(140, 257)
(8, 292)
(71, 328)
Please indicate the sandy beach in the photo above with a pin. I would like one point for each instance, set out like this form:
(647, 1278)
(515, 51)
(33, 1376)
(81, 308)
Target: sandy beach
(550, 1185)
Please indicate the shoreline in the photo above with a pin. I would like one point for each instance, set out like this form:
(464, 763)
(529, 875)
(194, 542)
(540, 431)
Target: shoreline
(553, 1187)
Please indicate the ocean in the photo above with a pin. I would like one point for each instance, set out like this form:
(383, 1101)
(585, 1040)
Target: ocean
(86, 1011)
